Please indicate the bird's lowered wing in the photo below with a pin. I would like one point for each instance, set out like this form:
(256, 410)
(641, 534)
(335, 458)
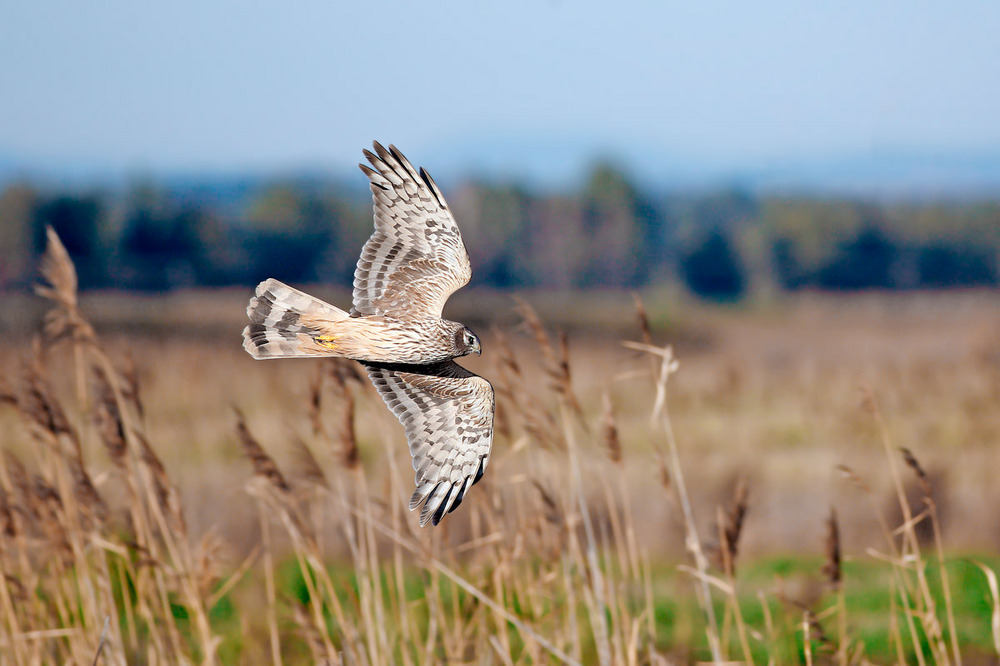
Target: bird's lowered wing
(447, 412)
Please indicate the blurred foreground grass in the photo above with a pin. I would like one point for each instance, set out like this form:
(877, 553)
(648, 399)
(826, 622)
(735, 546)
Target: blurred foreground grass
(633, 512)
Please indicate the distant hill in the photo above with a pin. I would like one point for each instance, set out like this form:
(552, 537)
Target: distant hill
(562, 164)
(909, 175)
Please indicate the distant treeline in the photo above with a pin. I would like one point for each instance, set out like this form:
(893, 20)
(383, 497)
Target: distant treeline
(721, 244)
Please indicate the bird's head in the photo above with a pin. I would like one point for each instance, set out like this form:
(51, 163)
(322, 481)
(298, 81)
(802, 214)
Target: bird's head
(466, 342)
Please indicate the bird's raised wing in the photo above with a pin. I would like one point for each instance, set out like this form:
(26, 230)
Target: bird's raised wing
(447, 412)
(416, 258)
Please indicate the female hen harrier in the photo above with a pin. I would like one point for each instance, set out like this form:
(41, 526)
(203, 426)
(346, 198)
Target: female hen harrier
(408, 268)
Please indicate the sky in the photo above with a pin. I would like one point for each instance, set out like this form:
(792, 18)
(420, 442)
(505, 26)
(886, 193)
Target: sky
(520, 84)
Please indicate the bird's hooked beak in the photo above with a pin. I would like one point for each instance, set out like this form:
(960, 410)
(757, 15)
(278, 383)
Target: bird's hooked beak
(477, 348)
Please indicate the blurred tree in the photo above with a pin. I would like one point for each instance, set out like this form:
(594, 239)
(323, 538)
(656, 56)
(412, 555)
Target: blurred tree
(217, 257)
(17, 206)
(613, 237)
(279, 208)
(655, 254)
(493, 220)
(956, 265)
(159, 242)
(351, 225)
(805, 235)
(77, 220)
(290, 231)
(863, 262)
(712, 269)
(556, 250)
(756, 253)
(949, 244)
(606, 234)
(785, 264)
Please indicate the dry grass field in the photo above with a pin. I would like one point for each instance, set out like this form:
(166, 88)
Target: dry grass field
(742, 495)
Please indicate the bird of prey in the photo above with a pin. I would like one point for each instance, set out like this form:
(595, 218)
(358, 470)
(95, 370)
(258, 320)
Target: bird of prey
(408, 268)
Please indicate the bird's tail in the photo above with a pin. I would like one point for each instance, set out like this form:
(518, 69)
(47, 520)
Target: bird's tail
(285, 322)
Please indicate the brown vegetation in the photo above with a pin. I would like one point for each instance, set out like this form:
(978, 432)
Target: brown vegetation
(126, 534)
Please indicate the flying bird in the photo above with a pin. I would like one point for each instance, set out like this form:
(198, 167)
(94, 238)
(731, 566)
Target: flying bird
(409, 267)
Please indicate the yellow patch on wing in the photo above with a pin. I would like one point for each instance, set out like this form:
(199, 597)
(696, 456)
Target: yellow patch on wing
(327, 340)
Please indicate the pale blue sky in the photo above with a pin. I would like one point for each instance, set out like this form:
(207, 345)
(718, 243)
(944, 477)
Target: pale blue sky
(279, 84)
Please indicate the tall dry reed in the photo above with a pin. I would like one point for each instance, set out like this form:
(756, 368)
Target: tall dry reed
(541, 565)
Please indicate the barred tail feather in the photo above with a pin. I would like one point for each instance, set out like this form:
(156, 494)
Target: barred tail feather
(285, 322)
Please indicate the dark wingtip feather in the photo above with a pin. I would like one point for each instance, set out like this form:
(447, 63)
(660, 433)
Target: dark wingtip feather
(371, 157)
(383, 154)
(460, 496)
(432, 186)
(403, 162)
(373, 176)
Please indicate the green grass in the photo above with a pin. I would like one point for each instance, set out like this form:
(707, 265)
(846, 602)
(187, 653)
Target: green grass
(867, 589)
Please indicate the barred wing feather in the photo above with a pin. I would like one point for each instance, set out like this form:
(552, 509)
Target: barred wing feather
(416, 258)
(447, 412)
